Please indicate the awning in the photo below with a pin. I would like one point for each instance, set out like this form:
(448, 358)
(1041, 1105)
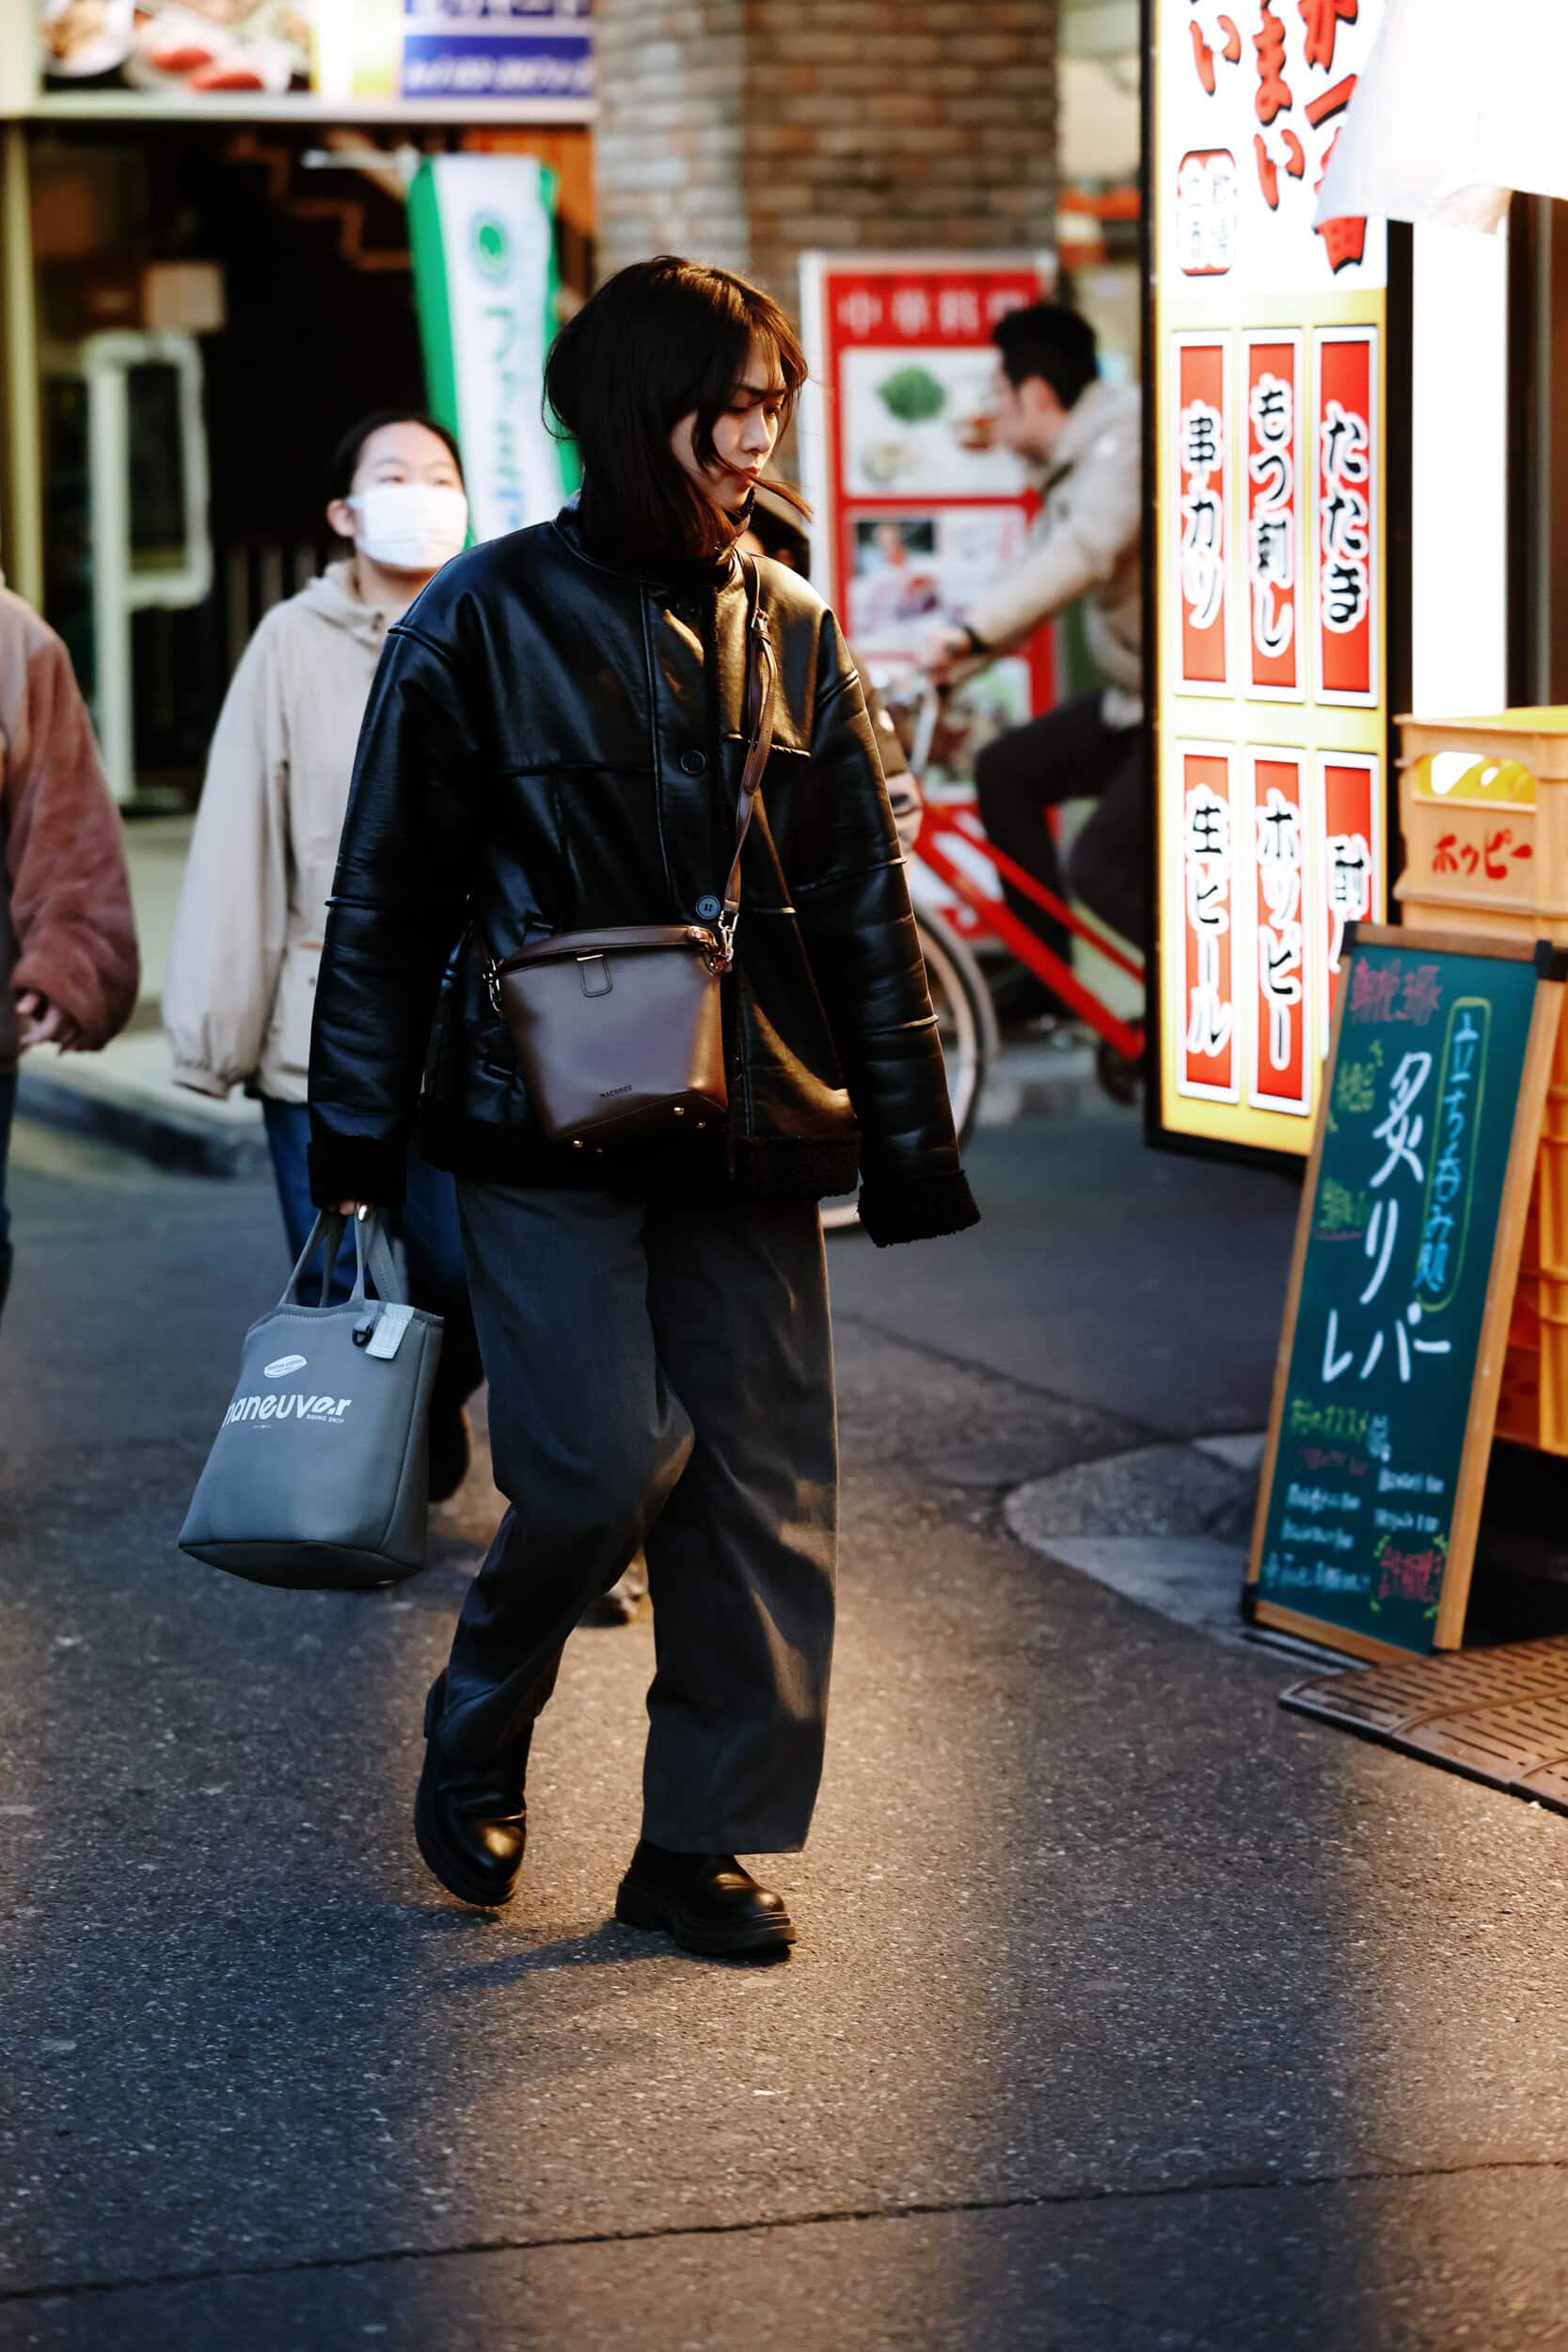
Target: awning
(1460, 105)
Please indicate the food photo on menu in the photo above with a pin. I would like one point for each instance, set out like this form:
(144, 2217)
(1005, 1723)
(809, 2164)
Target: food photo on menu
(178, 47)
(918, 568)
(924, 421)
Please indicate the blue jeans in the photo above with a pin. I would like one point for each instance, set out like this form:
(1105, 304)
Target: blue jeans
(8, 1105)
(427, 1227)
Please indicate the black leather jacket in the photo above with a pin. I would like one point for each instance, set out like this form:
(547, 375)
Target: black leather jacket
(554, 742)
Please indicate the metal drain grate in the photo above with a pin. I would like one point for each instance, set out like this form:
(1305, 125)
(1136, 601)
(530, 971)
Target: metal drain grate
(1498, 1715)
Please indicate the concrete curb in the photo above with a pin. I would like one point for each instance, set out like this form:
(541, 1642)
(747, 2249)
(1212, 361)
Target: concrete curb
(191, 1144)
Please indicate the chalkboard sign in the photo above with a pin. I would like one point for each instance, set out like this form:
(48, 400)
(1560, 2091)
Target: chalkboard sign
(1407, 1253)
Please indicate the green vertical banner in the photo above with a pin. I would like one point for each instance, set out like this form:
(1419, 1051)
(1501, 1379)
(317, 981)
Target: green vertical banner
(482, 229)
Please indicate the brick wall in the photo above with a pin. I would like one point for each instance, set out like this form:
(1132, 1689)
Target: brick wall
(746, 131)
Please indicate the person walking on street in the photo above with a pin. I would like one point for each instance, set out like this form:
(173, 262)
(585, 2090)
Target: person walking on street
(555, 743)
(1084, 439)
(68, 937)
(248, 936)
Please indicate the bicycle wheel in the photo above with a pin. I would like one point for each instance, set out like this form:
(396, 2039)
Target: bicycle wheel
(967, 1026)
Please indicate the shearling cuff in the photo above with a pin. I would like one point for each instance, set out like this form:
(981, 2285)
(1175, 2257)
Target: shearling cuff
(356, 1167)
(919, 1208)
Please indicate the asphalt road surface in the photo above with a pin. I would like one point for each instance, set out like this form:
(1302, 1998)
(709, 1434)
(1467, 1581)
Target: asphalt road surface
(1130, 2013)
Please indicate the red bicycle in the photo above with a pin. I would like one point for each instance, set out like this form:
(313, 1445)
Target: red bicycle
(953, 846)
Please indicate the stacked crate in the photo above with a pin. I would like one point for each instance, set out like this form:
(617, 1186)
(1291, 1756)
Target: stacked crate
(1483, 807)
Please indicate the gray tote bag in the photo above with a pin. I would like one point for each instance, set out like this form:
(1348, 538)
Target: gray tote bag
(319, 1477)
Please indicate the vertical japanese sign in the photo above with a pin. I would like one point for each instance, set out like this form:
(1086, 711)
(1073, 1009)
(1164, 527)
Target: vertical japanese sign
(1397, 1322)
(1209, 912)
(1349, 558)
(483, 234)
(1269, 342)
(1280, 1066)
(1203, 542)
(1272, 505)
(1350, 823)
(918, 509)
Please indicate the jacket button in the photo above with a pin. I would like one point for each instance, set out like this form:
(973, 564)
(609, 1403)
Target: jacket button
(693, 762)
(708, 909)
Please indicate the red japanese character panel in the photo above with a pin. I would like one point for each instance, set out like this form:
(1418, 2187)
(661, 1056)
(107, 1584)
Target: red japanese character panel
(1350, 822)
(1280, 1075)
(1210, 1058)
(1273, 550)
(1346, 503)
(1203, 477)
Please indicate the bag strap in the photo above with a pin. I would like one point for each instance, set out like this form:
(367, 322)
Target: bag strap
(372, 1255)
(762, 686)
(372, 1251)
(328, 1225)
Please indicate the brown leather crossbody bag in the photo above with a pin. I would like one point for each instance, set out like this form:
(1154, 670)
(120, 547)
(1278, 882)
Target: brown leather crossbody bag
(620, 1032)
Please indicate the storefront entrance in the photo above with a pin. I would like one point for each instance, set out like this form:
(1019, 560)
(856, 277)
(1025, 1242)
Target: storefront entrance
(214, 305)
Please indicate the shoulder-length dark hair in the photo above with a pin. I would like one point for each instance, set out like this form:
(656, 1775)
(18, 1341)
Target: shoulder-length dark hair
(659, 341)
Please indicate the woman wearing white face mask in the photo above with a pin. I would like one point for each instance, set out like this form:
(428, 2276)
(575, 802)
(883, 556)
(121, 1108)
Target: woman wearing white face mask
(242, 972)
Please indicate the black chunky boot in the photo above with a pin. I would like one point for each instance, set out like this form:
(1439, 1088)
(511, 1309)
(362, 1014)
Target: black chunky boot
(706, 1901)
(469, 1819)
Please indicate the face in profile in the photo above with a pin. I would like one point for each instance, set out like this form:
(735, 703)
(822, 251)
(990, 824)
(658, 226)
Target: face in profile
(745, 433)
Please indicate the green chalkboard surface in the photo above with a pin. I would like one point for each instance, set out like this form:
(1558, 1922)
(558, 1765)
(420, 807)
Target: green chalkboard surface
(1406, 1258)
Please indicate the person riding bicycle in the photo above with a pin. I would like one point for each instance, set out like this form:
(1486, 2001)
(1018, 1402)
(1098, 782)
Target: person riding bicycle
(1084, 438)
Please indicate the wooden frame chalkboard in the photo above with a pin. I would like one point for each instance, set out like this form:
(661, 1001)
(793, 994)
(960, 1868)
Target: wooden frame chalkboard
(1386, 1475)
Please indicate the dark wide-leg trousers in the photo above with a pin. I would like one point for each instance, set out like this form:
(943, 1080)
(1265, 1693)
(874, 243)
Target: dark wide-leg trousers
(661, 1377)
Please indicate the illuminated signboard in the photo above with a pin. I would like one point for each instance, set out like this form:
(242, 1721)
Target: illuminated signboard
(1269, 361)
(473, 59)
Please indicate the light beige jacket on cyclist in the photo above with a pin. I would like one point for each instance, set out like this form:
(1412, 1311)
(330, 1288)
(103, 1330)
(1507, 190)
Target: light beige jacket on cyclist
(241, 983)
(1086, 542)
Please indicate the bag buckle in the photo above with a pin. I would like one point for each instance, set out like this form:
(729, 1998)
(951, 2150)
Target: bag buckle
(720, 958)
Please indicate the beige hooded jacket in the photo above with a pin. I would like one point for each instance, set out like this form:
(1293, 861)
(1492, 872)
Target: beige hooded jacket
(1086, 542)
(242, 971)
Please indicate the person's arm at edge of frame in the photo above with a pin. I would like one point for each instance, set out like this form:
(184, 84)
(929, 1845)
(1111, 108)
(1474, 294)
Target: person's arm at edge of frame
(78, 969)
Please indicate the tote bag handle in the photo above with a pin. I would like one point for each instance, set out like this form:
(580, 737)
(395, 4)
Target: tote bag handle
(372, 1254)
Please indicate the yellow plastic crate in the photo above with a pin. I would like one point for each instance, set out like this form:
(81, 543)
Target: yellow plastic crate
(1483, 808)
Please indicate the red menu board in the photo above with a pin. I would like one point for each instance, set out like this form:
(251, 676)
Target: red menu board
(1209, 900)
(1350, 820)
(1347, 454)
(1203, 484)
(918, 511)
(1278, 1077)
(1268, 334)
(1274, 502)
